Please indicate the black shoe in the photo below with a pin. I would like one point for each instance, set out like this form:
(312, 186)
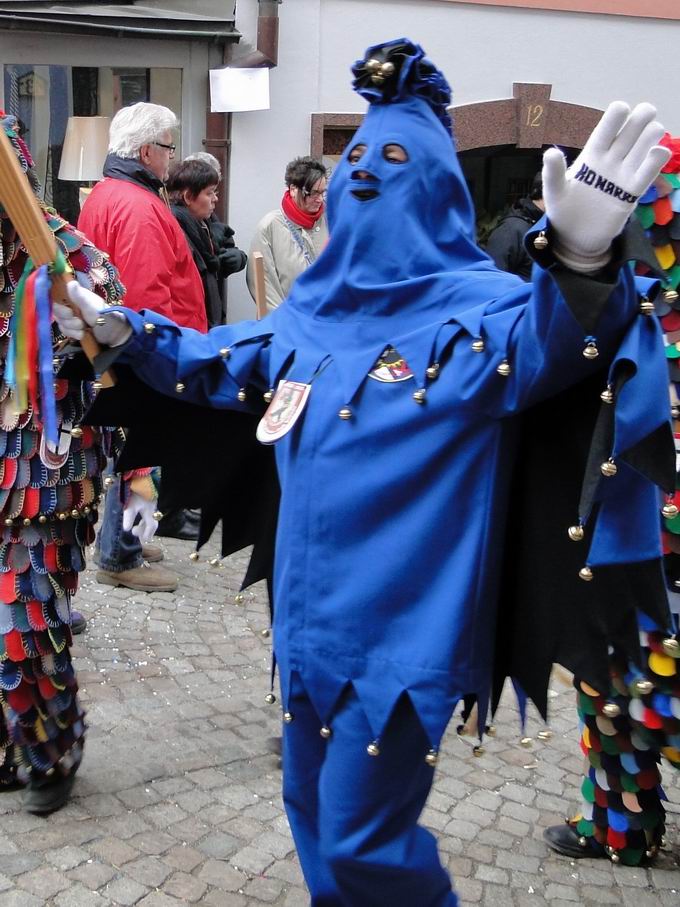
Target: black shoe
(175, 526)
(566, 840)
(78, 623)
(46, 794)
(10, 783)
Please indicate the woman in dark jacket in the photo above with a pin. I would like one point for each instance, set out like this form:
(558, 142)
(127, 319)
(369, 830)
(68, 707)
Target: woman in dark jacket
(193, 193)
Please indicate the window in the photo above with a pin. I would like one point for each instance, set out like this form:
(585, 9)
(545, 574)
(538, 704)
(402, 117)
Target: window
(44, 97)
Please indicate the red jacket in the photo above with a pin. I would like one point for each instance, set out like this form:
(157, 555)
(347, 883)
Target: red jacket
(145, 242)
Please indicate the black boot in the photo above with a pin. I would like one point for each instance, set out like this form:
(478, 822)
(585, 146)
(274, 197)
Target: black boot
(175, 525)
(48, 793)
(566, 840)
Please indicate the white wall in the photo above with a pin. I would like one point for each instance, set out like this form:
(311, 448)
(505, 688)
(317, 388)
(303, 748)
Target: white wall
(588, 59)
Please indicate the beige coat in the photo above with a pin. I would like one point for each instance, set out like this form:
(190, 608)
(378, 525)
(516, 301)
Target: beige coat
(287, 251)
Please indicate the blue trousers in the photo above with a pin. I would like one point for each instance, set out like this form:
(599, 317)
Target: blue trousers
(354, 817)
(116, 550)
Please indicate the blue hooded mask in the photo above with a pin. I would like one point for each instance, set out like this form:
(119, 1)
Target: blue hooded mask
(402, 234)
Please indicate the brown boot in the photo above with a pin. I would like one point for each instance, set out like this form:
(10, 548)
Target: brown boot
(146, 578)
(152, 554)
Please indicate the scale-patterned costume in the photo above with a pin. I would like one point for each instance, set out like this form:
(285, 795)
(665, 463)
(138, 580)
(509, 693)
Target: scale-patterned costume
(48, 509)
(625, 733)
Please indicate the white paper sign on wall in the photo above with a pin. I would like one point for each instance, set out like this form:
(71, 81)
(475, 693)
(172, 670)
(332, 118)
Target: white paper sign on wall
(233, 90)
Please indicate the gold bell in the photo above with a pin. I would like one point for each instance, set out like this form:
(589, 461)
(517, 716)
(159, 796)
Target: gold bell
(607, 395)
(431, 758)
(545, 734)
(432, 371)
(419, 395)
(108, 481)
(194, 556)
(75, 514)
(526, 742)
(675, 412)
(609, 468)
(325, 732)
(576, 533)
(387, 69)
(270, 699)
(669, 510)
(241, 395)
(541, 241)
(268, 396)
(239, 598)
(646, 307)
(582, 842)
(644, 687)
(671, 647)
(504, 368)
(87, 511)
(611, 710)
(478, 750)
(345, 413)
(373, 749)
(149, 327)
(76, 432)
(27, 521)
(287, 717)
(180, 388)
(225, 352)
(266, 633)
(586, 574)
(670, 295)
(590, 350)
(42, 518)
(157, 515)
(9, 521)
(614, 857)
(214, 561)
(62, 516)
(373, 65)
(651, 853)
(478, 345)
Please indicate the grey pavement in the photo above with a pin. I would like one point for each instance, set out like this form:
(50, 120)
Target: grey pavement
(178, 799)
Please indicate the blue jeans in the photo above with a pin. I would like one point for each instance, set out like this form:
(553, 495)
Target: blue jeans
(117, 550)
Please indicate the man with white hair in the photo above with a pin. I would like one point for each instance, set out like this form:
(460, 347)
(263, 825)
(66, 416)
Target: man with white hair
(127, 216)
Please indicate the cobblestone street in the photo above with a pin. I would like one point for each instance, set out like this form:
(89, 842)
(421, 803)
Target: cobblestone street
(178, 799)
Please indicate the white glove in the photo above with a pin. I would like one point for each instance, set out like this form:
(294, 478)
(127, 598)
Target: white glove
(137, 506)
(110, 330)
(588, 204)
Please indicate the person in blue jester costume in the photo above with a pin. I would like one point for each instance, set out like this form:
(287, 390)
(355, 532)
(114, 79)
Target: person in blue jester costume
(394, 376)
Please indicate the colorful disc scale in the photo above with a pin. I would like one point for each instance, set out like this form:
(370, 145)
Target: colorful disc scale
(622, 736)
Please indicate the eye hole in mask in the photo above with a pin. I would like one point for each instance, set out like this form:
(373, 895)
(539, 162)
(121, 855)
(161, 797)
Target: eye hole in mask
(395, 154)
(356, 154)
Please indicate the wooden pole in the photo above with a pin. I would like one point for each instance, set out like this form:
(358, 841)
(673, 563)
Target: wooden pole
(260, 292)
(19, 201)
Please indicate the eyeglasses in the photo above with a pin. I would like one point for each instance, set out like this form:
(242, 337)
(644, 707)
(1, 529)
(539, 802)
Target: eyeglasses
(170, 148)
(314, 193)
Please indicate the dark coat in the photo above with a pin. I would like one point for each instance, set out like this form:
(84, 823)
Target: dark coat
(506, 242)
(215, 255)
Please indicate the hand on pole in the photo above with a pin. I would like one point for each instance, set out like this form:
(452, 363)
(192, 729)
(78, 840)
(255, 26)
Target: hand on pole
(110, 329)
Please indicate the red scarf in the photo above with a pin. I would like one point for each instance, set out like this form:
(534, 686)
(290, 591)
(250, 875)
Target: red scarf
(297, 215)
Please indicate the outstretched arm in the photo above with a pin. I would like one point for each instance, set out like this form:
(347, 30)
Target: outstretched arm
(212, 369)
